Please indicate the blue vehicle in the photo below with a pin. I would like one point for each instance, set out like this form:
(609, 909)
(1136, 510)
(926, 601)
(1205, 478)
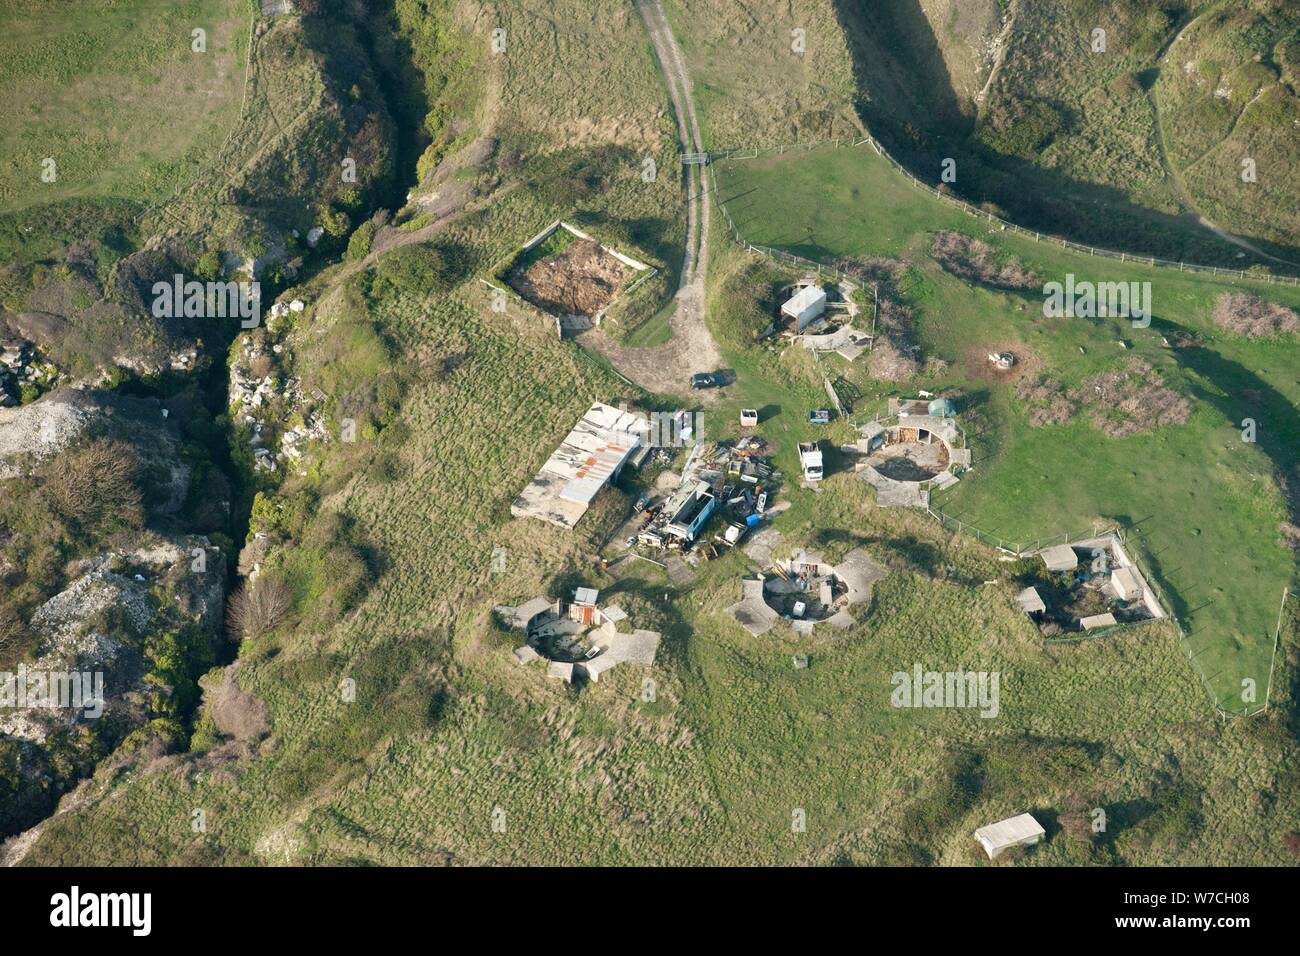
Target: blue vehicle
(819, 416)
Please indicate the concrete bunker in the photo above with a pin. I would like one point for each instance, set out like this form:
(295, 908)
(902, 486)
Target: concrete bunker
(805, 590)
(1086, 585)
(909, 452)
(579, 638)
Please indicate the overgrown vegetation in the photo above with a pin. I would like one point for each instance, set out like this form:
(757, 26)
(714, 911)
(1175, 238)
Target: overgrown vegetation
(1243, 314)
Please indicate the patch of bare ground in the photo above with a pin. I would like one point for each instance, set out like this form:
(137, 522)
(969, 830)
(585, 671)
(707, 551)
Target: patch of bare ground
(667, 368)
(582, 280)
(894, 356)
(1243, 314)
(1133, 400)
(976, 261)
(975, 363)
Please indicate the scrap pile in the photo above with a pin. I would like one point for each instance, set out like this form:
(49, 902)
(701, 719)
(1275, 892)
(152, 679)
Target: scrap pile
(734, 479)
(807, 595)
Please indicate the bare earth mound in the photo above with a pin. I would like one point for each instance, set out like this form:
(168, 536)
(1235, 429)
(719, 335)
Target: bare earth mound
(582, 280)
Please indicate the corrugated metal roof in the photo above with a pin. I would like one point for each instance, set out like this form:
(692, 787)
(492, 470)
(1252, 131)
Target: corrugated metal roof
(597, 446)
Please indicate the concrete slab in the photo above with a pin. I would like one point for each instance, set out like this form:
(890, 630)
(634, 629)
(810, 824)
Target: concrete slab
(859, 573)
(563, 671)
(679, 572)
(751, 611)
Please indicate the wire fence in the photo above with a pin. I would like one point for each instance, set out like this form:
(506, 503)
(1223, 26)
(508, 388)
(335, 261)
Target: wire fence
(1022, 548)
(1028, 548)
(974, 211)
(1019, 549)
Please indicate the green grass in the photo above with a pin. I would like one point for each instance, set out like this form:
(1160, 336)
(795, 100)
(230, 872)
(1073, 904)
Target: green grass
(760, 92)
(1206, 503)
(113, 93)
(446, 727)
(1223, 97)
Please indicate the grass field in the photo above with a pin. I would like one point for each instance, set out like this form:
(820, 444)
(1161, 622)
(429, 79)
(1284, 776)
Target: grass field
(1192, 491)
(448, 733)
(74, 84)
(751, 86)
(451, 753)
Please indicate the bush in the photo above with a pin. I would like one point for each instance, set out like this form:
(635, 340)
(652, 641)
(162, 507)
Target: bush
(421, 270)
(13, 632)
(258, 607)
(96, 487)
(1248, 315)
(1132, 401)
(976, 261)
(359, 244)
(208, 266)
(1021, 128)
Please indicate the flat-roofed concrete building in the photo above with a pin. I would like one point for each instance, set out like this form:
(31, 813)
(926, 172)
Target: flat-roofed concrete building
(1023, 830)
(1125, 585)
(1030, 601)
(1060, 557)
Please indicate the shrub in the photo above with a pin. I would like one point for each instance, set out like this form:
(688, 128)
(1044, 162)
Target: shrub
(13, 632)
(1243, 314)
(1021, 128)
(420, 270)
(1132, 401)
(1046, 401)
(976, 261)
(258, 607)
(96, 487)
(359, 243)
(208, 266)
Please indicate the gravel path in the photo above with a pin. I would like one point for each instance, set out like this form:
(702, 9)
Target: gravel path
(668, 368)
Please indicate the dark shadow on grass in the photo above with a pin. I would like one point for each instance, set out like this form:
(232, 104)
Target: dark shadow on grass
(906, 99)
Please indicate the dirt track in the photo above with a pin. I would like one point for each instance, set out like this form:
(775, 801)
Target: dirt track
(668, 367)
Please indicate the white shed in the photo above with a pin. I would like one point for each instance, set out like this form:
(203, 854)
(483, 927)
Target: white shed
(1023, 830)
(1126, 585)
(1030, 601)
(805, 305)
(1061, 557)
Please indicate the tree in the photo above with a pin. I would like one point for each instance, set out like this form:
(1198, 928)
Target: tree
(258, 607)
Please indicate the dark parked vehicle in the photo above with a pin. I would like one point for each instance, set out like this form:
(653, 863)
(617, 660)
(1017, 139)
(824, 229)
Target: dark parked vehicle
(705, 380)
